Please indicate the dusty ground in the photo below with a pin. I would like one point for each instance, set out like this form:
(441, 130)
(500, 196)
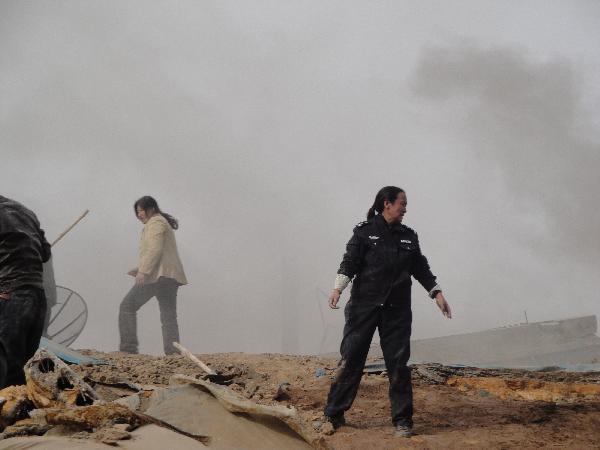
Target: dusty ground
(454, 408)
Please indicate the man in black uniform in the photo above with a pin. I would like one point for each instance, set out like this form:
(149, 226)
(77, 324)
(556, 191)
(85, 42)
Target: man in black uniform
(381, 257)
(23, 249)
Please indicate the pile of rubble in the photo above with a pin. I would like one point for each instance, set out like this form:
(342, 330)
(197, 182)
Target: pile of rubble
(57, 401)
(270, 401)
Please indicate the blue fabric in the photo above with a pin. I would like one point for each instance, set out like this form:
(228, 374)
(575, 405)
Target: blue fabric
(68, 355)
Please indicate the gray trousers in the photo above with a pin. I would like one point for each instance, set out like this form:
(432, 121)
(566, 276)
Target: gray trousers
(165, 291)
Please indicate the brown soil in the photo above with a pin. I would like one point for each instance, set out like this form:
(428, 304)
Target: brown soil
(454, 409)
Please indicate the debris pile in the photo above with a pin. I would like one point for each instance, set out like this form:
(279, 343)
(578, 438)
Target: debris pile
(57, 401)
(270, 401)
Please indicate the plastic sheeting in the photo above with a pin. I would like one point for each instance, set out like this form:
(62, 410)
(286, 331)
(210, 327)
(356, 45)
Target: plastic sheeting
(66, 354)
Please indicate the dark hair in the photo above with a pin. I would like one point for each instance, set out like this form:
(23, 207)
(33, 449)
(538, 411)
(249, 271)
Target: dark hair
(389, 193)
(146, 203)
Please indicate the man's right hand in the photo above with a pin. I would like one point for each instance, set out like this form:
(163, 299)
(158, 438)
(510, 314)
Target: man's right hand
(334, 298)
(132, 272)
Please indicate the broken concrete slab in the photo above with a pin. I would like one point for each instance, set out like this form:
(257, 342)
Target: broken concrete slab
(235, 403)
(148, 437)
(194, 409)
(562, 343)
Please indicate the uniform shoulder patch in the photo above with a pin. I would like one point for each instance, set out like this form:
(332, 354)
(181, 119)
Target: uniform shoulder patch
(361, 224)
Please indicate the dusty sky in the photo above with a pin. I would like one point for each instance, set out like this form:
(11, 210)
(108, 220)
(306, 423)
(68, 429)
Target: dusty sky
(267, 127)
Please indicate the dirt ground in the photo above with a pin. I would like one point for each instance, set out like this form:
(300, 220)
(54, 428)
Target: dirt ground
(455, 408)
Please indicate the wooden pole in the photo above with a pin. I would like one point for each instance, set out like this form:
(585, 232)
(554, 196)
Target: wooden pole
(185, 352)
(70, 228)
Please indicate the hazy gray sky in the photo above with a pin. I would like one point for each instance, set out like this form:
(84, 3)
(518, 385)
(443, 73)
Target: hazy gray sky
(267, 127)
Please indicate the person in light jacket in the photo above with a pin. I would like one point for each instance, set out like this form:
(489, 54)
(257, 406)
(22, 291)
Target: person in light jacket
(159, 274)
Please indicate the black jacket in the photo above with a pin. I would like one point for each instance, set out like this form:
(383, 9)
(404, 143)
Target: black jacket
(382, 258)
(23, 247)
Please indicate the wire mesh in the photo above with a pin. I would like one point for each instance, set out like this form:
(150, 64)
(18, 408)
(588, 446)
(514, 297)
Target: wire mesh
(67, 317)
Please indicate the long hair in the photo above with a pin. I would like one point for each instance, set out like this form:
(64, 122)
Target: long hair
(147, 203)
(389, 193)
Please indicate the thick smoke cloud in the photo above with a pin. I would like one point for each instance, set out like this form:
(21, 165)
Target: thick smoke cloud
(525, 122)
(266, 128)
(529, 147)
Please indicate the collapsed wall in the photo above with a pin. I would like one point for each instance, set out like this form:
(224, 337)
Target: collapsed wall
(553, 343)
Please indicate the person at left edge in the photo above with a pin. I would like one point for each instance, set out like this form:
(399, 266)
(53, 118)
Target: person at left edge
(23, 250)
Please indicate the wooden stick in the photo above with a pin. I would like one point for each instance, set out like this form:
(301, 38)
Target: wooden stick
(185, 352)
(70, 228)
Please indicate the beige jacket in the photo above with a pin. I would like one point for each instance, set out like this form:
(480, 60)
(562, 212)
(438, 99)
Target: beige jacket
(158, 252)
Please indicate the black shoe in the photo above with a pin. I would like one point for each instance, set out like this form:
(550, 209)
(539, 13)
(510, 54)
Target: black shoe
(403, 430)
(336, 421)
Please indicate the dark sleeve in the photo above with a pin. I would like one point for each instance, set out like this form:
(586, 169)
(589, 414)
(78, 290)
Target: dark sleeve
(4, 221)
(49, 283)
(354, 256)
(421, 270)
(33, 224)
(46, 252)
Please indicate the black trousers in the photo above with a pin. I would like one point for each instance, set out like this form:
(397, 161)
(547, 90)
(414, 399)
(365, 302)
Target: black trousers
(394, 325)
(21, 322)
(165, 291)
